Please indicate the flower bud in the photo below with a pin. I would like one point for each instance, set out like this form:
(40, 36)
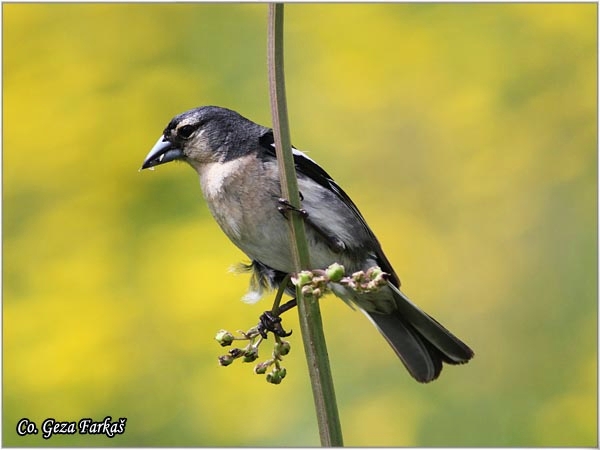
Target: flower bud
(236, 352)
(319, 281)
(251, 354)
(350, 283)
(282, 372)
(224, 338)
(261, 368)
(335, 272)
(303, 278)
(381, 279)
(374, 272)
(282, 348)
(225, 360)
(273, 378)
(307, 290)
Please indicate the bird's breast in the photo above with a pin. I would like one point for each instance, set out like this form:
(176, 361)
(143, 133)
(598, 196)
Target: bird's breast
(242, 196)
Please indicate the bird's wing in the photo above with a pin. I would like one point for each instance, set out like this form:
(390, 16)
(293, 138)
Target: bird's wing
(309, 168)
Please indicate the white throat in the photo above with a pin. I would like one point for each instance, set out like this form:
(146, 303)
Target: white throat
(215, 176)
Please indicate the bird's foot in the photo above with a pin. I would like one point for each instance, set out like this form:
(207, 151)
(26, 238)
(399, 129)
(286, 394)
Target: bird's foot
(286, 207)
(270, 321)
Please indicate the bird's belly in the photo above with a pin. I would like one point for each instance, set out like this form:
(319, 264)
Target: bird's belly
(258, 230)
(268, 241)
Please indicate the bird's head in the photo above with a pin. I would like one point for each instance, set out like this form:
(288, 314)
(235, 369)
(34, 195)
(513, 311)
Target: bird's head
(204, 135)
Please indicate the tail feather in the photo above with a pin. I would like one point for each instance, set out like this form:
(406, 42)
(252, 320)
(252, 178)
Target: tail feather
(420, 341)
(449, 345)
(423, 361)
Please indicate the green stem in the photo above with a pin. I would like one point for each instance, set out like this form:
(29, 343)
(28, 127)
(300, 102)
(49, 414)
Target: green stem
(311, 324)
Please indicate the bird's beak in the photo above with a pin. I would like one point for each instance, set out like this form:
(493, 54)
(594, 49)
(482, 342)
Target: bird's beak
(162, 152)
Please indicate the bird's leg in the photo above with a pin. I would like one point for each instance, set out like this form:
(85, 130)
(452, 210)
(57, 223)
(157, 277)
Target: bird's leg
(271, 320)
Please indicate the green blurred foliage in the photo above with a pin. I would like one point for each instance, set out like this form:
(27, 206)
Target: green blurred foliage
(466, 133)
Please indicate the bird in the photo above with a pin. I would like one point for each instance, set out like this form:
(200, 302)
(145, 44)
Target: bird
(236, 163)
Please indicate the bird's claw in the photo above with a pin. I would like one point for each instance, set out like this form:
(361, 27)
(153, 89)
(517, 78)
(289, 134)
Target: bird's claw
(271, 322)
(287, 206)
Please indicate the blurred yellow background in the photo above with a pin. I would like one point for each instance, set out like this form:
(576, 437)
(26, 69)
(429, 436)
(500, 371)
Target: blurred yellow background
(466, 134)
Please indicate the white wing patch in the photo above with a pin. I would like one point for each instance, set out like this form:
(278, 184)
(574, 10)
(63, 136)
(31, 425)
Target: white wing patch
(297, 152)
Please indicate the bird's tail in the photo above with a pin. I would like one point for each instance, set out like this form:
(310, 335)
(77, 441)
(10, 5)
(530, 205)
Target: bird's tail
(420, 341)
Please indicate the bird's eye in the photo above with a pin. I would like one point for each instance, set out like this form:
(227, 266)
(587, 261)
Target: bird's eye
(186, 131)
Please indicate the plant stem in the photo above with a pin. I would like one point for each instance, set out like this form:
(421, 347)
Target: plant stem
(311, 324)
